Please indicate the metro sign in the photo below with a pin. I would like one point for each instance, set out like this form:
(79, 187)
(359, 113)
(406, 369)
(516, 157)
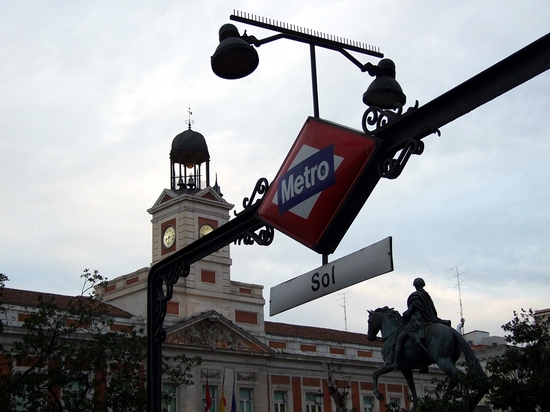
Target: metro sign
(316, 180)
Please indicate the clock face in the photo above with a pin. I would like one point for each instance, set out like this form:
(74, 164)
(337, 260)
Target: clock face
(205, 229)
(169, 237)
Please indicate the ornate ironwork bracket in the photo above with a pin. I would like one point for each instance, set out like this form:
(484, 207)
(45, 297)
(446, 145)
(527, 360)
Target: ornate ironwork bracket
(260, 189)
(264, 237)
(374, 116)
(391, 168)
(374, 119)
(166, 278)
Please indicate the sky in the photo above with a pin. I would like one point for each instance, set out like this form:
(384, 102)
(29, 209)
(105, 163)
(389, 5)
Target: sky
(92, 94)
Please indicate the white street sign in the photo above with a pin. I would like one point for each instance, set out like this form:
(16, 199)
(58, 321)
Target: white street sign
(366, 263)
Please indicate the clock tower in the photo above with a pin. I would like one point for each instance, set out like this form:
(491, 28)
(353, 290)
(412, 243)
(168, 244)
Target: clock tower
(191, 208)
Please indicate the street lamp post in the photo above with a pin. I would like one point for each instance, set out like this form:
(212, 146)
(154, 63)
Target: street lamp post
(319, 399)
(236, 57)
(401, 135)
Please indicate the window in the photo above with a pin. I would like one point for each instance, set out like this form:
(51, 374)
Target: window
(214, 407)
(311, 406)
(245, 400)
(279, 399)
(368, 404)
(169, 405)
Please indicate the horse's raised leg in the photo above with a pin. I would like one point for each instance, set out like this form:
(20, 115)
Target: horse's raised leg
(385, 368)
(408, 375)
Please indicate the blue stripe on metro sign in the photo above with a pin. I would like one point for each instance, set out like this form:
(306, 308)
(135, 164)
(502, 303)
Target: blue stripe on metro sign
(306, 179)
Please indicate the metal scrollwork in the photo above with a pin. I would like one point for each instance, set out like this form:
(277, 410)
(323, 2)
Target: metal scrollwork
(263, 238)
(374, 116)
(165, 279)
(260, 189)
(391, 168)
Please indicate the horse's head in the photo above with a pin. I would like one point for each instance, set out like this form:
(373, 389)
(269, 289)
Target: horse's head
(382, 319)
(373, 325)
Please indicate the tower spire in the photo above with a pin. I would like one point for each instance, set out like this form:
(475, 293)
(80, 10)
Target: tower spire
(189, 122)
(189, 153)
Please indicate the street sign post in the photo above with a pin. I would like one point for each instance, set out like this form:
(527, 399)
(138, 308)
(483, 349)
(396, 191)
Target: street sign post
(366, 263)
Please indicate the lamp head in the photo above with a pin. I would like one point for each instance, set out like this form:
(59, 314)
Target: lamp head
(234, 58)
(319, 397)
(384, 91)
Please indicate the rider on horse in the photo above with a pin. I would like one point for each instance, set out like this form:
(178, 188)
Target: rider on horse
(420, 312)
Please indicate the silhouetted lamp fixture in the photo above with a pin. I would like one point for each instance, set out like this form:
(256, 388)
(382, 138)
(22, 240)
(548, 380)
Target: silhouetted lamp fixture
(384, 91)
(234, 57)
(319, 397)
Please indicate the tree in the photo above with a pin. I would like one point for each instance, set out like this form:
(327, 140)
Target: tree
(339, 396)
(521, 377)
(463, 399)
(75, 361)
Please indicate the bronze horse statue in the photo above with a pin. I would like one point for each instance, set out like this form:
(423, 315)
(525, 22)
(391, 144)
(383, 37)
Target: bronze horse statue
(442, 346)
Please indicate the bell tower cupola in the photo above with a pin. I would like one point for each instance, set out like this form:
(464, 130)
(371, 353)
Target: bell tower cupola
(189, 161)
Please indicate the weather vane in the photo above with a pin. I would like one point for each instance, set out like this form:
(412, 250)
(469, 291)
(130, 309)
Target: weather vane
(189, 122)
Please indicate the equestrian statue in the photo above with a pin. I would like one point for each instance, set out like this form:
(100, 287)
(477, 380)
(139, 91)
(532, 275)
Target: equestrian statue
(417, 340)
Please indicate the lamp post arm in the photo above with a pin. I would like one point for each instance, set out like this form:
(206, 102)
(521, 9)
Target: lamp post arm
(313, 41)
(311, 37)
(368, 67)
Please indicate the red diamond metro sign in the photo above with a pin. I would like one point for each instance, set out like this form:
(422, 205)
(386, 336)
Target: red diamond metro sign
(316, 180)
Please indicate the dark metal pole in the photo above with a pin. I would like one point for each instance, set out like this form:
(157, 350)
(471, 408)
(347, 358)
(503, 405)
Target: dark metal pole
(314, 81)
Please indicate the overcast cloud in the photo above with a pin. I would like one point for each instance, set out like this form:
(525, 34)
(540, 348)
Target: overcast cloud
(92, 94)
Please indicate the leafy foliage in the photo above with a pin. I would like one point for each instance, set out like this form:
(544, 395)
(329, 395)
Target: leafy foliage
(462, 399)
(521, 377)
(73, 361)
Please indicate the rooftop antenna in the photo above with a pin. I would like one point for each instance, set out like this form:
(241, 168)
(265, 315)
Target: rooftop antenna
(460, 326)
(345, 311)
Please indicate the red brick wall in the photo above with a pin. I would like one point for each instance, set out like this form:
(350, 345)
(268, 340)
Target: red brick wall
(135, 279)
(207, 276)
(308, 348)
(173, 308)
(246, 317)
(280, 380)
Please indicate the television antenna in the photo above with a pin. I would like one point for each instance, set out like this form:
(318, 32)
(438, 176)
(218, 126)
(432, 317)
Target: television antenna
(457, 274)
(345, 309)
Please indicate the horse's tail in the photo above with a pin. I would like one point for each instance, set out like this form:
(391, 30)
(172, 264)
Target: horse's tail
(481, 386)
(469, 355)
